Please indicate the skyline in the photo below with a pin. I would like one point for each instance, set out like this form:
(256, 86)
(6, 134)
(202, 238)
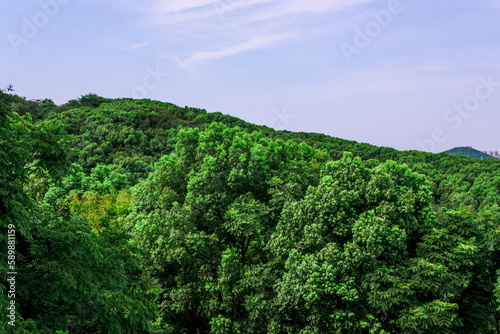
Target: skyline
(398, 73)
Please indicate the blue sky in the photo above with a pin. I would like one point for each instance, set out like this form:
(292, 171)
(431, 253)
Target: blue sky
(400, 73)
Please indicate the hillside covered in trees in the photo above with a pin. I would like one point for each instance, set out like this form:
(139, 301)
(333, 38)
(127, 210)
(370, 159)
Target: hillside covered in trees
(469, 152)
(140, 216)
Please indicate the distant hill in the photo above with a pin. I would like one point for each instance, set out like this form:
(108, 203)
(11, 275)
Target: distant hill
(468, 152)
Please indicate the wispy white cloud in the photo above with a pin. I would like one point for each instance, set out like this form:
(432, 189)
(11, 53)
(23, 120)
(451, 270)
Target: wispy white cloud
(252, 44)
(133, 46)
(192, 10)
(199, 23)
(170, 6)
(318, 6)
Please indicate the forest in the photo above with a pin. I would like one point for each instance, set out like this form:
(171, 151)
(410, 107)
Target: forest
(140, 216)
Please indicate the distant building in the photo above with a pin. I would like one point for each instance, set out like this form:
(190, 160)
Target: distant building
(494, 154)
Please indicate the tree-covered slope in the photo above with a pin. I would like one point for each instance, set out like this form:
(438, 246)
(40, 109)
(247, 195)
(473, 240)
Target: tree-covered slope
(130, 135)
(146, 217)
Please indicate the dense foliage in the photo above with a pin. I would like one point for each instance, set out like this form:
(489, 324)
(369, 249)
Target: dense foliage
(137, 216)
